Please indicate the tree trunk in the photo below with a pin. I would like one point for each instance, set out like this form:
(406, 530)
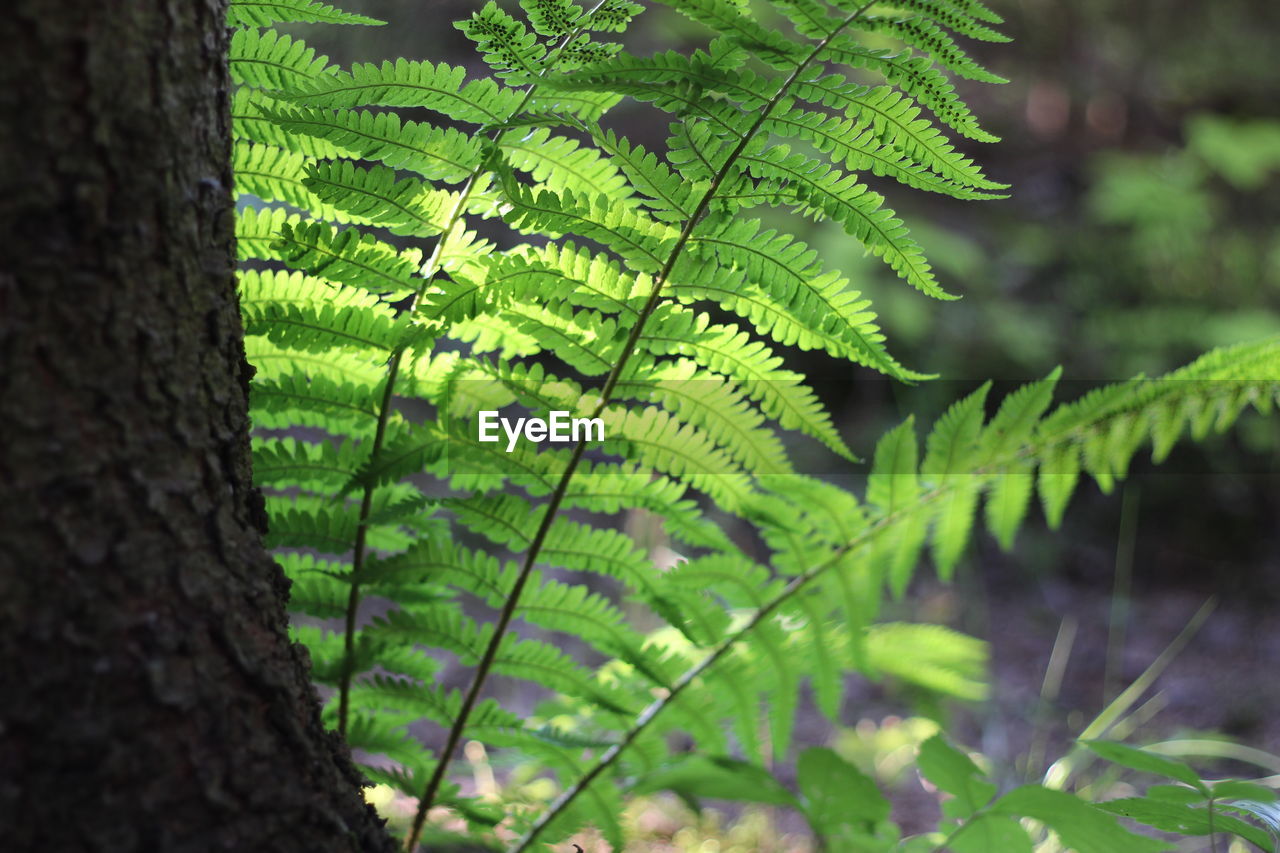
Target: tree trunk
(149, 696)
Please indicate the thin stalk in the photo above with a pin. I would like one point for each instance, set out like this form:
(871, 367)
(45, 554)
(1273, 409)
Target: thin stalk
(1121, 590)
(507, 613)
(1113, 712)
(455, 731)
(360, 551)
(357, 560)
(1058, 773)
(430, 270)
(1049, 690)
(1213, 840)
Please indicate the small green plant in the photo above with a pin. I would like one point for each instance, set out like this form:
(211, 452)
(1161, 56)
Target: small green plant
(603, 314)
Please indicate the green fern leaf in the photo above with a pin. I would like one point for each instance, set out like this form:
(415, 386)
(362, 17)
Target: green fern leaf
(927, 36)
(1058, 476)
(732, 20)
(641, 242)
(274, 174)
(268, 60)
(949, 454)
(441, 88)
(667, 195)
(438, 154)
(730, 352)
(786, 295)
(508, 47)
(713, 405)
(917, 77)
(670, 447)
(562, 164)
(895, 121)
(818, 189)
(347, 256)
(374, 196)
(251, 121)
(947, 15)
(264, 13)
(893, 487)
(306, 313)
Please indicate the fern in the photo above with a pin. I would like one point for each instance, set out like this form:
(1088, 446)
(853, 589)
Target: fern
(600, 308)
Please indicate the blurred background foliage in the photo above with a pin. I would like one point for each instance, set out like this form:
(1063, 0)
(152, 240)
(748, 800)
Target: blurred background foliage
(1142, 141)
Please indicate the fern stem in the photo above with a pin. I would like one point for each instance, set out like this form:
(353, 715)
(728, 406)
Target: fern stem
(431, 270)
(651, 712)
(490, 652)
(1031, 449)
(359, 550)
(486, 663)
(358, 553)
(507, 612)
(692, 222)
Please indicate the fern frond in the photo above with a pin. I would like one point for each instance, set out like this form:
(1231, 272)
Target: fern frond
(392, 493)
(646, 77)
(661, 441)
(818, 189)
(611, 16)
(786, 294)
(811, 18)
(315, 589)
(274, 174)
(716, 407)
(505, 43)
(311, 466)
(893, 489)
(307, 522)
(860, 150)
(928, 37)
(668, 197)
(441, 88)
(955, 19)
(892, 118)
(584, 340)
(343, 407)
(374, 196)
(562, 163)
(268, 60)
(732, 20)
(251, 121)
(271, 361)
(264, 13)
(728, 351)
(438, 154)
(949, 455)
(917, 77)
(564, 108)
(640, 241)
(552, 17)
(307, 313)
(257, 230)
(346, 256)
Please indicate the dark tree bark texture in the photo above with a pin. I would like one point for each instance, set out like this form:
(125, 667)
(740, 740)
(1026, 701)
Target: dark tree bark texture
(149, 697)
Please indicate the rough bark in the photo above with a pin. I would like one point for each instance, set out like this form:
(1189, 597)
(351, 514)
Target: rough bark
(149, 696)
